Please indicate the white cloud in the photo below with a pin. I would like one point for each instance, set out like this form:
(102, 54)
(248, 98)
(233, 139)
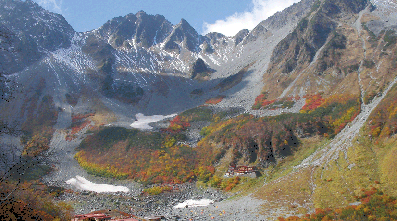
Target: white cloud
(51, 5)
(249, 19)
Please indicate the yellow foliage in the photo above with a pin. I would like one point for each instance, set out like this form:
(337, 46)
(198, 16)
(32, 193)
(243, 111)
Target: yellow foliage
(345, 118)
(392, 113)
(169, 142)
(156, 190)
(376, 131)
(389, 166)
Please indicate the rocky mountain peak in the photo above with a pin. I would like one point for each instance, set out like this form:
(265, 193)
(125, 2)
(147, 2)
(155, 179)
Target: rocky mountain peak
(184, 22)
(199, 69)
(186, 27)
(183, 33)
(159, 17)
(146, 30)
(260, 31)
(49, 30)
(32, 31)
(239, 37)
(215, 35)
(140, 14)
(213, 38)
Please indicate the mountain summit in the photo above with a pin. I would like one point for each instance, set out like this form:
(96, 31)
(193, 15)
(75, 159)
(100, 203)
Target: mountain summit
(141, 30)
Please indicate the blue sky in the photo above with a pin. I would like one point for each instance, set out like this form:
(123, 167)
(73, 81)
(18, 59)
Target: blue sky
(224, 16)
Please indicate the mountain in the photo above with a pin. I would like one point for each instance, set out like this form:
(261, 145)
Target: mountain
(333, 50)
(30, 31)
(140, 30)
(143, 51)
(307, 98)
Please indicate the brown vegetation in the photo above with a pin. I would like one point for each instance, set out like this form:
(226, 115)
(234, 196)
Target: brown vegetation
(31, 201)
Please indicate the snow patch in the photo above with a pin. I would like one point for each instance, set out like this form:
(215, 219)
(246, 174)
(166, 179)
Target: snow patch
(83, 184)
(194, 203)
(142, 121)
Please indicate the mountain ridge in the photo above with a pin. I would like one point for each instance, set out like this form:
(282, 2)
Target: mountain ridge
(305, 97)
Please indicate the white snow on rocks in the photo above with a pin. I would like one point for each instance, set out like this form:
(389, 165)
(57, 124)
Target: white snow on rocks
(194, 203)
(142, 121)
(83, 184)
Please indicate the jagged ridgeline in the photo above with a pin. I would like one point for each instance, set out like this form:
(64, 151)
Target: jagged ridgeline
(327, 50)
(305, 102)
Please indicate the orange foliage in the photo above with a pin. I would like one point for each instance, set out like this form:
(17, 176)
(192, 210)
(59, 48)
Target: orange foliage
(36, 145)
(178, 124)
(374, 206)
(231, 183)
(79, 122)
(79, 127)
(262, 102)
(383, 120)
(215, 100)
(312, 102)
(79, 117)
(30, 202)
(38, 125)
(170, 163)
(337, 120)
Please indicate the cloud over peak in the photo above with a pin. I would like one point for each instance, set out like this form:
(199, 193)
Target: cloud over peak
(261, 10)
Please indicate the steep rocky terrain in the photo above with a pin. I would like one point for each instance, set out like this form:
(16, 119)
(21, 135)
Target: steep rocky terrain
(307, 97)
(146, 54)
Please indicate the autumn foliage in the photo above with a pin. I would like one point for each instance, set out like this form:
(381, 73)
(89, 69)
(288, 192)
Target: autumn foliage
(312, 102)
(30, 201)
(79, 117)
(226, 184)
(262, 102)
(265, 140)
(38, 143)
(345, 108)
(383, 120)
(162, 157)
(79, 122)
(178, 124)
(374, 205)
(215, 100)
(156, 190)
(38, 125)
(149, 157)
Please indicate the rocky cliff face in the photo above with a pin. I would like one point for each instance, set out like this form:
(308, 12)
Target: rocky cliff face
(30, 32)
(49, 31)
(328, 46)
(313, 42)
(310, 47)
(141, 62)
(135, 30)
